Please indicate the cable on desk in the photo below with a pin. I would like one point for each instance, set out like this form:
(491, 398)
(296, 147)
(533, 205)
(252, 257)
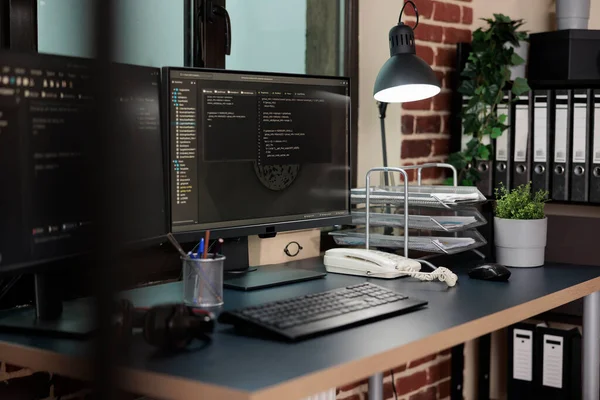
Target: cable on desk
(394, 385)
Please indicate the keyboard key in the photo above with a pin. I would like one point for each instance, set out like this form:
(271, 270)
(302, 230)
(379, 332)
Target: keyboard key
(287, 314)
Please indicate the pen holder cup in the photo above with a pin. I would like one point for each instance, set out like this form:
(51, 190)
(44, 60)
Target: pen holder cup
(203, 281)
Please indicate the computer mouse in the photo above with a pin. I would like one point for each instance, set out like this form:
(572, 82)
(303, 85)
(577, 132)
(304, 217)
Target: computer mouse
(490, 272)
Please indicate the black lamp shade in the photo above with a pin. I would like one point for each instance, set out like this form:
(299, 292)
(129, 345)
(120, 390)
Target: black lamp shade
(404, 77)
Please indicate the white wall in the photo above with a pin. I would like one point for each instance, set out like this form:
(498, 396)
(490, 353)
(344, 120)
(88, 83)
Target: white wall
(373, 27)
(268, 35)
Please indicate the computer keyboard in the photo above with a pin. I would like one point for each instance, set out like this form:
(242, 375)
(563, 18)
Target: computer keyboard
(319, 313)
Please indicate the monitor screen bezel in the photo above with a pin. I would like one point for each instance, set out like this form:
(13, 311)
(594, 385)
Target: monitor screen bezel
(267, 228)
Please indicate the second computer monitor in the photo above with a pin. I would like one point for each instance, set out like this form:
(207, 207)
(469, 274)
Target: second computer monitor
(254, 153)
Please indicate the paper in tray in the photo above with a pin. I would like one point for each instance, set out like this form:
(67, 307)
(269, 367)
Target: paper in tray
(446, 221)
(457, 243)
(428, 196)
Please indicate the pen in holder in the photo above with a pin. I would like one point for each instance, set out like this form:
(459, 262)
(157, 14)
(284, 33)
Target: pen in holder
(203, 280)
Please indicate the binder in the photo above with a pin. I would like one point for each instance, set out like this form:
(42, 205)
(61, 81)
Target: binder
(521, 355)
(595, 153)
(484, 359)
(484, 167)
(558, 365)
(561, 162)
(502, 161)
(522, 142)
(485, 184)
(580, 166)
(543, 140)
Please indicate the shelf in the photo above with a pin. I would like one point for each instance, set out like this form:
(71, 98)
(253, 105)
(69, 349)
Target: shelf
(438, 243)
(424, 196)
(439, 220)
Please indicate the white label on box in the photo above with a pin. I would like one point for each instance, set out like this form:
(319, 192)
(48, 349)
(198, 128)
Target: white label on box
(523, 355)
(540, 132)
(579, 127)
(502, 141)
(561, 132)
(521, 132)
(552, 369)
(596, 155)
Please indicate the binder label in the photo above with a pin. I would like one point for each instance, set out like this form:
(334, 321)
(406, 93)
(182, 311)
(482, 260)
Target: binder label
(523, 355)
(579, 132)
(540, 132)
(502, 141)
(521, 132)
(596, 149)
(560, 136)
(552, 373)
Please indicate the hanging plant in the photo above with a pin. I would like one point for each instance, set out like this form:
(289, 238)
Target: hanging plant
(486, 78)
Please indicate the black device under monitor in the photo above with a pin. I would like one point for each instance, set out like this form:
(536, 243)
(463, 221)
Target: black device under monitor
(269, 276)
(47, 116)
(255, 153)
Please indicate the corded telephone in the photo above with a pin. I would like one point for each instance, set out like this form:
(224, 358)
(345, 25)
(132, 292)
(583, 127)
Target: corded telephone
(379, 264)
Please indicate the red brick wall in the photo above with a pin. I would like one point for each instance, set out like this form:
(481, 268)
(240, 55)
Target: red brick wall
(425, 124)
(427, 378)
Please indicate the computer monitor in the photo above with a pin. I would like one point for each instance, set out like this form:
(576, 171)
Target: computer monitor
(47, 114)
(256, 153)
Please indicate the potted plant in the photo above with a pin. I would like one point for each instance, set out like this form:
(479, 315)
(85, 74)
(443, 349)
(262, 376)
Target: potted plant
(485, 79)
(520, 226)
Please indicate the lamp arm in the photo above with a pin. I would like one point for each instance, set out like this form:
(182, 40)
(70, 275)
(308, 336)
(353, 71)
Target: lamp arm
(416, 13)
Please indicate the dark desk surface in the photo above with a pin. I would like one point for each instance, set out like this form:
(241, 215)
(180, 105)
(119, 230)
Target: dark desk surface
(233, 366)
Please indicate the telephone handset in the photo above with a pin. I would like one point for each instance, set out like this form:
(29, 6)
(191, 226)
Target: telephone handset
(379, 264)
(370, 263)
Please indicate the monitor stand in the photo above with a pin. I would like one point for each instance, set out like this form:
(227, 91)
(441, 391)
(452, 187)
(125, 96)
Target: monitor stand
(50, 316)
(239, 275)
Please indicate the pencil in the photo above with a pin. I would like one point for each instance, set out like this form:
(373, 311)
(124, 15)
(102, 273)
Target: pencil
(206, 239)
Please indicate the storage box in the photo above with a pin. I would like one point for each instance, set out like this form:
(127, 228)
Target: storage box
(565, 58)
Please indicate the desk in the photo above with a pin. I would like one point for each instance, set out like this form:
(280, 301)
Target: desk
(236, 367)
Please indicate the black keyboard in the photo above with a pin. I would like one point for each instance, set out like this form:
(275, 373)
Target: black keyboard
(318, 313)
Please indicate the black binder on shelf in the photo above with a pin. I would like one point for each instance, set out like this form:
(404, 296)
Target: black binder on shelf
(582, 134)
(484, 344)
(502, 159)
(561, 160)
(558, 364)
(484, 167)
(595, 152)
(521, 366)
(543, 139)
(521, 173)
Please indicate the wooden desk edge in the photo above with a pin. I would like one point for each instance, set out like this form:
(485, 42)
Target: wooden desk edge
(165, 386)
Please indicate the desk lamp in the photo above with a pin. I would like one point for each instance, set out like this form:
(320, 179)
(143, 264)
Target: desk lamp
(404, 77)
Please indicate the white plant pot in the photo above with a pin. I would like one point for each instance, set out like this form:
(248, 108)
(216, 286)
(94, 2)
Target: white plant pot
(572, 14)
(520, 242)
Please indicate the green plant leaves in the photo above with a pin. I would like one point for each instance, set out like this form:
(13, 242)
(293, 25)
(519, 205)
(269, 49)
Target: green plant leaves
(467, 88)
(483, 152)
(496, 132)
(520, 203)
(485, 81)
(520, 86)
(516, 59)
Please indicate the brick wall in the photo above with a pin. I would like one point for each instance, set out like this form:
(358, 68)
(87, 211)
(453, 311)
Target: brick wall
(427, 378)
(425, 124)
